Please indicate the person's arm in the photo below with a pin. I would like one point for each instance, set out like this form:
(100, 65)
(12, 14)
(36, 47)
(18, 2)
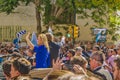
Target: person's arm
(29, 42)
(56, 66)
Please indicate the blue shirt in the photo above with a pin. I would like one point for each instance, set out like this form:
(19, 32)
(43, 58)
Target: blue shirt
(42, 56)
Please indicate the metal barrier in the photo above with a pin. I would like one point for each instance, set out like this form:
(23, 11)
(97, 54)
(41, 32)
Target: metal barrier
(8, 33)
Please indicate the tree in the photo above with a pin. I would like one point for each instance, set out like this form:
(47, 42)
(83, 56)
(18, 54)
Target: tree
(57, 12)
(103, 13)
(9, 5)
(60, 11)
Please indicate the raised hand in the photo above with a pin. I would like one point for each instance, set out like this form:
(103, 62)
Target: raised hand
(28, 35)
(78, 69)
(29, 42)
(57, 65)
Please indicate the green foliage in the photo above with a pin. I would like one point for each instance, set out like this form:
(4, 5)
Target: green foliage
(9, 5)
(97, 3)
(63, 3)
(47, 14)
(102, 12)
(64, 17)
(58, 34)
(60, 3)
(27, 1)
(115, 37)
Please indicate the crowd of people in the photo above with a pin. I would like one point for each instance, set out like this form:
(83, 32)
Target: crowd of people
(65, 60)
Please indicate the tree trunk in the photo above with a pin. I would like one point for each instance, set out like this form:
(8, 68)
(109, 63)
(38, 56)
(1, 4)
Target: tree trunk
(38, 19)
(59, 12)
(55, 10)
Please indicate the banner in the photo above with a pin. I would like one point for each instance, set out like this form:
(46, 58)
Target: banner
(100, 35)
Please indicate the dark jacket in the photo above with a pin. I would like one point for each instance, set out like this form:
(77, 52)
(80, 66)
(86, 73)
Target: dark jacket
(103, 73)
(54, 51)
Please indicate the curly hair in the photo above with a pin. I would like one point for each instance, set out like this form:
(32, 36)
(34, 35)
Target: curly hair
(6, 66)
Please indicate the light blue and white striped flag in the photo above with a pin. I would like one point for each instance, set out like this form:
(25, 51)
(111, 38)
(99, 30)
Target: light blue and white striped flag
(34, 39)
(98, 36)
(19, 34)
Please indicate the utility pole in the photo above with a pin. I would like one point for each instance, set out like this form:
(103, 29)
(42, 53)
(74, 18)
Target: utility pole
(73, 2)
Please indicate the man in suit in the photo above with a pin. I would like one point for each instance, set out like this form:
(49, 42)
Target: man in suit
(54, 48)
(96, 65)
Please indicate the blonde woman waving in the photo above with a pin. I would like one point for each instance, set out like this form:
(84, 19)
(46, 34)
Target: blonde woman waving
(42, 50)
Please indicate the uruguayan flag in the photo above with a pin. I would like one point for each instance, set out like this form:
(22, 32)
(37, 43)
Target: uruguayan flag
(98, 36)
(19, 34)
(34, 39)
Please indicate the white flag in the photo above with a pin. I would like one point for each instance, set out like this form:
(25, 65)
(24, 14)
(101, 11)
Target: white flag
(50, 30)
